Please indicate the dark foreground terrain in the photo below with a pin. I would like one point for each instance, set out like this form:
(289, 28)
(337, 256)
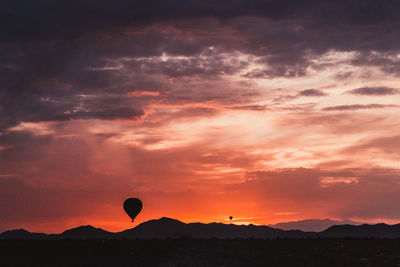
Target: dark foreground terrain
(197, 252)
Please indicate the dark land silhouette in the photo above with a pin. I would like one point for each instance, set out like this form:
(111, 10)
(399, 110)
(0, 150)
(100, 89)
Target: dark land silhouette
(201, 252)
(170, 228)
(311, 225)
(169, 242)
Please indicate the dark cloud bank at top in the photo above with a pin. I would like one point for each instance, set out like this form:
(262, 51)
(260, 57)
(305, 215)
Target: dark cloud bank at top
(46, 19)
(62, 60)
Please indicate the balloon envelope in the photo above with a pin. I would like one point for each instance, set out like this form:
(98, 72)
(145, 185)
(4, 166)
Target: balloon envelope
(132, 207)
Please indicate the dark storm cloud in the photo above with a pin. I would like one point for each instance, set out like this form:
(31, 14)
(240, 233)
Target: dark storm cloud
(356, 107)
(312, 92)
(209, 64)
(52, 53)
(291, 28)
(22, 19)
(56, 81)
(30, 107)
(386, 58)
(374, 91)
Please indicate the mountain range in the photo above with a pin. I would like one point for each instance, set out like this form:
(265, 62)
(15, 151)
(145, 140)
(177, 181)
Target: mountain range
(170, 228)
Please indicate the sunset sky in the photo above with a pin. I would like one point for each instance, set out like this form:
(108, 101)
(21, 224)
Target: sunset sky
(267, 111)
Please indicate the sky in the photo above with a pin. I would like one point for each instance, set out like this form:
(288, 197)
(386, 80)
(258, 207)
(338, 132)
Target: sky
(266, 111)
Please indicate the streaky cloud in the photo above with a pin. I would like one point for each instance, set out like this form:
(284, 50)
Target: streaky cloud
(357, 107)
(312, 92)
(374, 91)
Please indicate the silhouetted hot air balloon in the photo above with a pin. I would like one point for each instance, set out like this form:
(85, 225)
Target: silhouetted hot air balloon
(132, 207)
(230, 218)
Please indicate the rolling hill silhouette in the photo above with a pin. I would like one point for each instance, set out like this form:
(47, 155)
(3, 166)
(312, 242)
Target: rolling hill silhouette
(379, 230)
(170, 228)
(311, 225)
(22, 234)
(85, 232)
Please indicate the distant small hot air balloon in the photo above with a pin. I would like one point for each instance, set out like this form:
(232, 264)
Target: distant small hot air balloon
(132, 207)
(230, 218)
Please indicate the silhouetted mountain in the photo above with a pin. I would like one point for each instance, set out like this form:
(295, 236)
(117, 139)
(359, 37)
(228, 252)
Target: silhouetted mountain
(169, 228)
(161, 228)
(311, 225)
(379, 230)
(85, 232)
(22, 234)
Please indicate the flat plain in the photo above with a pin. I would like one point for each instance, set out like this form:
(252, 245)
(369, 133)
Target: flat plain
(201, 252)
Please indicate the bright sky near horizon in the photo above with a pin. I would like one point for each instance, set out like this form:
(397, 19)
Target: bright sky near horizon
(267, 111)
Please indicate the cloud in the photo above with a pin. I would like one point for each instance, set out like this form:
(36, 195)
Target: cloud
(208, 63)
(312, 92)
(34, 108)
(374, 91)
(385, 58)
(288, 33)
(106, 15)
(49, 62)
(388, 146)
(357, 107)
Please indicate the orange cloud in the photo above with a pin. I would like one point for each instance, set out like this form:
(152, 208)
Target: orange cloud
(143, 93)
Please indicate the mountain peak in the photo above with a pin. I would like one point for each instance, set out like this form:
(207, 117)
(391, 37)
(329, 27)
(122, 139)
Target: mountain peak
(85, 231)
(21, 234)
(163, 221)
(81, 228)
(19, 231)
(169, 220)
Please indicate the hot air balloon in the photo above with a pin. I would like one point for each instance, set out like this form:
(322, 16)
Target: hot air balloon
(230, 218)
(132, 207)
